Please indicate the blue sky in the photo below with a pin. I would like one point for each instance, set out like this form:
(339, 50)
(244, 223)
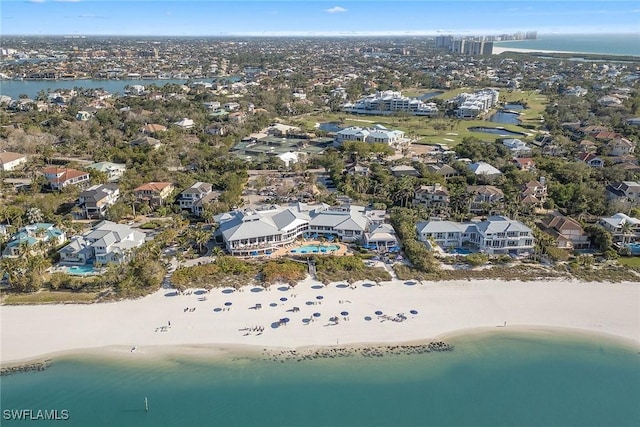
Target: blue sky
(240, 17)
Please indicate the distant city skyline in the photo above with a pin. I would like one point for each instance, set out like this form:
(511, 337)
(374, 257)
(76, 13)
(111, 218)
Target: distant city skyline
(319, 18)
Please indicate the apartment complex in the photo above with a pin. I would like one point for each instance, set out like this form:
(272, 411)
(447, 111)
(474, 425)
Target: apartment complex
(389, 102)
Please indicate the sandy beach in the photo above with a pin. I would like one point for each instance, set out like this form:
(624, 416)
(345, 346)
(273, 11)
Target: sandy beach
(497, 50)
(410, 312)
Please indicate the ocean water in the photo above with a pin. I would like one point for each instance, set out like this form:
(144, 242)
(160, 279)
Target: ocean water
(612, 44)
(498, 379)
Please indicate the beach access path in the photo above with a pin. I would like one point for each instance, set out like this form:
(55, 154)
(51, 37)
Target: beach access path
(316, 315)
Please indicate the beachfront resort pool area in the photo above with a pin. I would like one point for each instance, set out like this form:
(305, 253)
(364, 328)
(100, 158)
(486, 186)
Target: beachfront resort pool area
(314, 249)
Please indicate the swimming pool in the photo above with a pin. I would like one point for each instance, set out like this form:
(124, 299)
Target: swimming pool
(80, 270)
(314, 249)
(634, 248)
(460, 251)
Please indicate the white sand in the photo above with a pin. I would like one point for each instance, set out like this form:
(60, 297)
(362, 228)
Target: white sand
(444, 308)
(497, 50)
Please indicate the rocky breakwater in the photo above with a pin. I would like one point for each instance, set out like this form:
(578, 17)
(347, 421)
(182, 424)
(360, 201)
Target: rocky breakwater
(25, 367)
(354, 351)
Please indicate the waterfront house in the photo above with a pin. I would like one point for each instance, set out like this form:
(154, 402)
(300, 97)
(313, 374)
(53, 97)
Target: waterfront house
(59, 177)
(10, 161)
(622, 227)
(382, 237)
(493, 236)
(96, 200)
(33, 238)
(566, 231)
(154, 193)
(107, 242)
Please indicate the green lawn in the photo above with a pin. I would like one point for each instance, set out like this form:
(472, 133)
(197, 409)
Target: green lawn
(630, 262)
(49, 297)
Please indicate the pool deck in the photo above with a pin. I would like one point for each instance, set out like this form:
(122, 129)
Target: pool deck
(285, 250)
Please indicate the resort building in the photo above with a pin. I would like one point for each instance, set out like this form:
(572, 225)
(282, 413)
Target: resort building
(60, 177)
(95, 200)
(377, 133)
(33, 238)
(493, 236)
(261, 231)
(389, 102)
(10, 161)
(106, 243)
(155, 193)
(471, 105)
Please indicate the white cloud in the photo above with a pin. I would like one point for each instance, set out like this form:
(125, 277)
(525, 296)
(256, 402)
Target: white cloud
(68, 1)
(336, 9)
(35, 1)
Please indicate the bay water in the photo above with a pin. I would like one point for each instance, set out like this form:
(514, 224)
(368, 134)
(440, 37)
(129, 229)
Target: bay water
(496, 379)
(611, 44)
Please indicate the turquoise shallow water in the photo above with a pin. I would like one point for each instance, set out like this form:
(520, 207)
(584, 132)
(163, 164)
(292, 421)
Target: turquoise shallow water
(612, 44)
(488, 380)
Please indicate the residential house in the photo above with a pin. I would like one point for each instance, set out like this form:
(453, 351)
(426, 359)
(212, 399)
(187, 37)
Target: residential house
(155, 193)
(627, 192)
(534, 193)
(114, 171)
(591, 160)
(404, 170)
(191, 195)
(200, 205)
(10, 161)
(83, 116)
(32, 239)
(238, 118)
(96, 200)
(60, 177)
(146, 141)
(231, 106)
(566, 231)
(484, 169)
(153, 128)
(442, 170)
(358, 170)
(433, 196)
(106, 243)
(621, 147)
(623, 228)
(485, 199)
(524, 163)
(216, 129)
(517, 147)
(185, 123)
(493, 236)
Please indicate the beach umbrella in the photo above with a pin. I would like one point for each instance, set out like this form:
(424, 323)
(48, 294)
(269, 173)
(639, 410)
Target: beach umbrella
(367, 318)
(283, 299)
(378, 313)
(316, 314)
(319, 297)
(273, 304)
(413, 311)
(344, 313)
(227, 303)
(284, 319)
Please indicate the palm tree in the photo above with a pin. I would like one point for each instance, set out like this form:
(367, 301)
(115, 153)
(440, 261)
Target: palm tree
(627, 231)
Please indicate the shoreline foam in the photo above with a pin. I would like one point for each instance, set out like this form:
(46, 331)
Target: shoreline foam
(445, 310)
